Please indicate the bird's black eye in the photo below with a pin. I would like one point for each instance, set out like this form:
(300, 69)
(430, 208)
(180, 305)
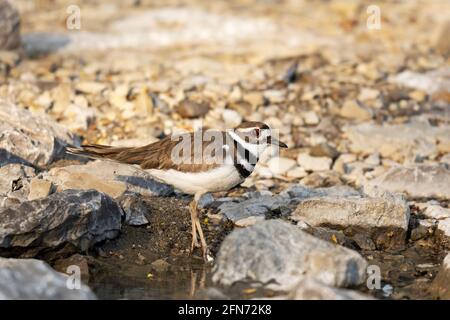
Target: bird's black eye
(257, 132)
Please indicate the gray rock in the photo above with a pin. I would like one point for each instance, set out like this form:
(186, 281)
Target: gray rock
(430, 82)
(33, 279)
(205, 201)
(134, 208)
(109, 177)
(310, 289)
(252, 210)
(441, 284)
(384, 219)
(398, 141)
(280, 253)
(29, 138)
(299, 192)
(418, 181)
(14, 183)
(80, 218)
(9, 26)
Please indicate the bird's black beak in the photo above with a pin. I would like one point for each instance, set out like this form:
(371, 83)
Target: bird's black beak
(277, 142)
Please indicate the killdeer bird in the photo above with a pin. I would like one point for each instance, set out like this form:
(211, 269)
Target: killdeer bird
(195, 163)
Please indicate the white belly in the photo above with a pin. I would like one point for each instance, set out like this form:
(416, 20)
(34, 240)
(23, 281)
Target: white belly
(218, 179)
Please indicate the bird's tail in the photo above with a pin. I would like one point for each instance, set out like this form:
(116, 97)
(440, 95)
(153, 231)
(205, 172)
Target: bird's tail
(97, 151)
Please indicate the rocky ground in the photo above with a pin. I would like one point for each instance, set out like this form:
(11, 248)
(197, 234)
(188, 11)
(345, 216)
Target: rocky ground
(364, 185)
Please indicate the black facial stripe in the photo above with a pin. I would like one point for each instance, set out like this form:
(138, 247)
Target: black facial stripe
(246, 155)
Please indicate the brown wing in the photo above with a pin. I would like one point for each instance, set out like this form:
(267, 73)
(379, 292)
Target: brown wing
(168, 153)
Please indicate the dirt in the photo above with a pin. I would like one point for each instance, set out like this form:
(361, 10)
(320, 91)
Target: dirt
(154, 261)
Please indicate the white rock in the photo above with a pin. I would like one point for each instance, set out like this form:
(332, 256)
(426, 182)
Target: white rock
(23, 279)
(311, 118)
(437, 212)
(368, 94)
(314, 163)
(280, 165)
(418, 181)
(232, 118)
(297, 173)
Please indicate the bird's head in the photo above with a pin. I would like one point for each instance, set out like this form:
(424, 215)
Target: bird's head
(256, 136)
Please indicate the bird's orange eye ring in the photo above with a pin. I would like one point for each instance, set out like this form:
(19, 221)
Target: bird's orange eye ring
(257, 132)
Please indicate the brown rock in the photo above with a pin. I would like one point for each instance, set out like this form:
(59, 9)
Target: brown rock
(39, 188)
(190, 109)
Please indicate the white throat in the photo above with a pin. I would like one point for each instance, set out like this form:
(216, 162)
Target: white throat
(255, 149)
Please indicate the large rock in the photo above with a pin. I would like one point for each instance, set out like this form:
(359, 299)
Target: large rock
(441, 284)
(9, 26)
(33, 279)
(399, 141)
(384, 220)
(29, 138)
(278, 252)
(109, 177)
(14, 183)
(80, 218)
(417, 181)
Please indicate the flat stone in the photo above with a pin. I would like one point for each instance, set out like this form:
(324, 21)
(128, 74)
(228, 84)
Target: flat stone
(90, 87)
(384, 219)
(109, 177)
(296, 173)
(80, 218)
(314, 163)
(436, 212)
(252, 210)
(398, 141)
(280, 165)
(417, 181)
(31, 139)
(23, 279)
(354, 110)
(278, 252)
(299, 192)
(430, 82)
(39, 188)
